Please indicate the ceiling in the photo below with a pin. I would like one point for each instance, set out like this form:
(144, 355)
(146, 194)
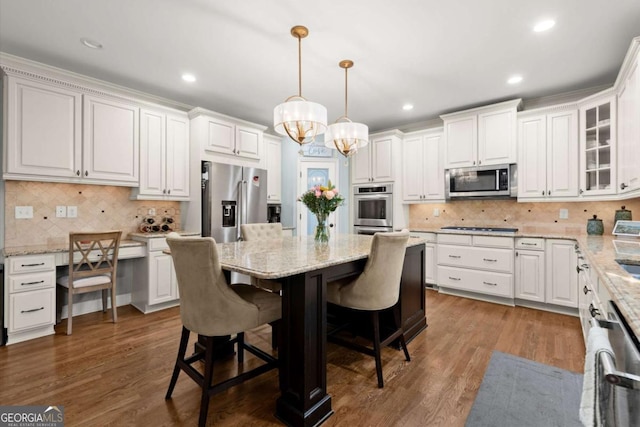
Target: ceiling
(440, 56)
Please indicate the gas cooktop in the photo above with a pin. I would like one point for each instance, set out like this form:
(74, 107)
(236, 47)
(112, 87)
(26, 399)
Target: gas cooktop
(485, 229)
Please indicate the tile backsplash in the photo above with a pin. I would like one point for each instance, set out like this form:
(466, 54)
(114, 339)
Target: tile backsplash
(99, 208)
(527, 217)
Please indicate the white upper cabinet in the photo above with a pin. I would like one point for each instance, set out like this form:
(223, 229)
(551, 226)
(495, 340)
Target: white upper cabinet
(235, 140)
(548, 155)
(164, 156)
(422, 166)
(65, 135)
(629, 122)
(111, 140)
(481, 136)
(44, 129)
(375, 162)
(598, 145)
(274, 168)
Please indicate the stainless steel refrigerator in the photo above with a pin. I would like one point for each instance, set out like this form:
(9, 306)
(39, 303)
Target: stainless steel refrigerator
(231, 195)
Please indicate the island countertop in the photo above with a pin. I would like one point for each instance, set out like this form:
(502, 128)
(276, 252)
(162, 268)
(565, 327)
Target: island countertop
(294, 255)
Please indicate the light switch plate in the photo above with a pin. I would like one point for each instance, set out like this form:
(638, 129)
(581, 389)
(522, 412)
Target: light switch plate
(436, 212)
(61, 211)
(72, 211)
(24, 212)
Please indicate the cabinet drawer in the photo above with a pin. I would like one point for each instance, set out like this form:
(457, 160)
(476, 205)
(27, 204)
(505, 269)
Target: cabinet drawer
(472, 257)
(532, 243)
(493, 241)
(455, 239)
(24, 264)
(157, 244)
(30, 282)
(32, 309)
(476, 281)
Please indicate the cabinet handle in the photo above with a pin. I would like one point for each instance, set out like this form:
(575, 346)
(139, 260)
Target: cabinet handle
(578, 269)
(585, 266)
(78, 172)
(623, 186)
(586, 290)
(32, 265)
(594, 311)
(528, 244)
(489, 260)
(581, 191)
(31, 283)
(454, 256)
(454, 278)
(32, 310)
(489, 283)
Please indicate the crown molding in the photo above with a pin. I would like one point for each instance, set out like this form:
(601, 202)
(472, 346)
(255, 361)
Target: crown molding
(199, 111)
(628, 62)
(16, 66)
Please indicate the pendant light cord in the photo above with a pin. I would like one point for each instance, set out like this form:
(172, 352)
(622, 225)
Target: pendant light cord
(299, 66)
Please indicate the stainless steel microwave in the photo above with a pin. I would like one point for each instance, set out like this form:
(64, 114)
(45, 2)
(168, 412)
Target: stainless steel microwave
(496, 181)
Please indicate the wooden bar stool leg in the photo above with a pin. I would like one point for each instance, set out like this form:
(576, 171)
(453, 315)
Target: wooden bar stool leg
(241, 347)
(403, 342)
(375, 319)
(206, 385)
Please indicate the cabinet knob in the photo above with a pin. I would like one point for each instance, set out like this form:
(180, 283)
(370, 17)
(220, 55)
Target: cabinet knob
(623, 186)
(479, 162)
(474, 162)
(86, 173)
(581, 191)
(169, 191)
(543, 192)
(78, 172)
(549, 192)
(164, 191)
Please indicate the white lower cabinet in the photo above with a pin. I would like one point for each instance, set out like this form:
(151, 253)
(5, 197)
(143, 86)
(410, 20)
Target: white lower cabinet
(530, 269)
(30, 295)
(430, 257)
(478, 264)
(155, 286)
(561, 277)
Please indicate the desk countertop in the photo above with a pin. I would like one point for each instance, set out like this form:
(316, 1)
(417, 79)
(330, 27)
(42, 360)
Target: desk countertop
(52, 248)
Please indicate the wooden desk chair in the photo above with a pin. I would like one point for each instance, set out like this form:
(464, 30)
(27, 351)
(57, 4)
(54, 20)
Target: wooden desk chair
(375, 290)
(211, 308)
(93, 261)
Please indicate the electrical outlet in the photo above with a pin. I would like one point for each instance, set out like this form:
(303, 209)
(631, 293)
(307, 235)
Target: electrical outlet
(436, 212)
(72, 211)
(151, 211)
(61, 211)
(24, 212)
(564, 213)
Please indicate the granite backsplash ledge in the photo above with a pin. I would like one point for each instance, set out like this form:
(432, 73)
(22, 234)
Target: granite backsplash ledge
(527, 217)
(100, 207)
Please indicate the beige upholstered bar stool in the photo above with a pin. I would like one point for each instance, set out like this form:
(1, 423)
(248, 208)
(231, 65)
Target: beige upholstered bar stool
(262, 232)
(375, 290)
(93, 262)
(211, 308)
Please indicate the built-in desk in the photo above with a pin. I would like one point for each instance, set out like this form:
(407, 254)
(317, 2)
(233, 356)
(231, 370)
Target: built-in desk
(30, 286)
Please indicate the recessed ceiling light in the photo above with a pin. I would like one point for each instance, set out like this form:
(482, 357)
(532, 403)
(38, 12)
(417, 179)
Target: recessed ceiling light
(544, 25)
(91, 43)
(407, 107)
(514, 80)
(189, 78)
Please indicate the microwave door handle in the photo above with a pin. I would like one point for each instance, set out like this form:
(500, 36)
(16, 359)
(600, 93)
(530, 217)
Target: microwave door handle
(497, 179)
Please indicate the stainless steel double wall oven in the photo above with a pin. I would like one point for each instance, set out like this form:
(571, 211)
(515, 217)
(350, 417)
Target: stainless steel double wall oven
(373, 208)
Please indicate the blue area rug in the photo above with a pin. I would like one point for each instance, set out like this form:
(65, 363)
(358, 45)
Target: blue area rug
(523, 393)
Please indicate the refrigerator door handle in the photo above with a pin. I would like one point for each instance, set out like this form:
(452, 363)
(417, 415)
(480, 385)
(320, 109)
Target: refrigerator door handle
(239, 214)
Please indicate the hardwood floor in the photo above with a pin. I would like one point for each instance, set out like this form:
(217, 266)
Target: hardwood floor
(106, 374)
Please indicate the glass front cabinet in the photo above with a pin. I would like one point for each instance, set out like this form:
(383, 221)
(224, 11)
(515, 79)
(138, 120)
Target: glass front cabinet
(598, 147)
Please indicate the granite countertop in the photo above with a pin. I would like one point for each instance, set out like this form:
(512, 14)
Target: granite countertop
(51, 248)
(293, 255)
(602, 254)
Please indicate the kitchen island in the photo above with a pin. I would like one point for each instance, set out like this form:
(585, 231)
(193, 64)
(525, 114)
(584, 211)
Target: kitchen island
(304, 267)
